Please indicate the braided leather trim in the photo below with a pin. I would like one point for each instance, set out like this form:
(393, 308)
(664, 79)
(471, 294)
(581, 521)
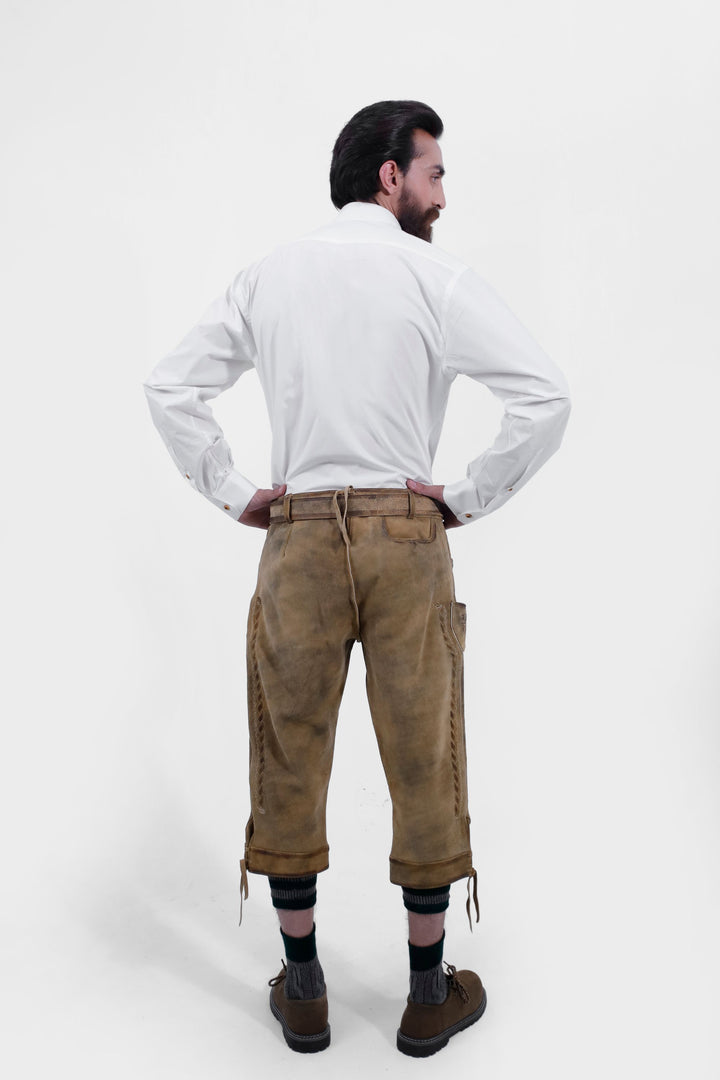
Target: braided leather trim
(453, 645)
(257, 707)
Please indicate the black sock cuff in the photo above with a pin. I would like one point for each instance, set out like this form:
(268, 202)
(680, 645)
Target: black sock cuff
(300, 949)
(293, 894)
(427, 901)
(424, 957)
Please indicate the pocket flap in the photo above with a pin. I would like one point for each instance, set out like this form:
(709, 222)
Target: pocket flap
(419, 530)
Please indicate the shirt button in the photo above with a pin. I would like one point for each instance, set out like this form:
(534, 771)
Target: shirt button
(226, 507)
(187, 475)
(468, 515)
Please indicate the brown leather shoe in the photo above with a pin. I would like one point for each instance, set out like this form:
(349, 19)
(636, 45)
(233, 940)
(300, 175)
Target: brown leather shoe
(425, 1029)
(304, 1022)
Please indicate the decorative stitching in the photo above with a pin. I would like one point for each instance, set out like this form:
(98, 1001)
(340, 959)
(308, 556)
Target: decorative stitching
(453, 704)
(258, 710)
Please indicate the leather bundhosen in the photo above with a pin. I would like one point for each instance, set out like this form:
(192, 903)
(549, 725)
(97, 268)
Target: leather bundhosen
(374, 566)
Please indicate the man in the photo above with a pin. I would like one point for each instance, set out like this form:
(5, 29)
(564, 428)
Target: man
(357, 332)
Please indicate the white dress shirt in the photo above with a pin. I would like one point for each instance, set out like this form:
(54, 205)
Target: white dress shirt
(357, 332)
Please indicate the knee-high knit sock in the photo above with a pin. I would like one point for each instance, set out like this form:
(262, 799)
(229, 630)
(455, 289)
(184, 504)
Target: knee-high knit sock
(428, 984)
(305, 978)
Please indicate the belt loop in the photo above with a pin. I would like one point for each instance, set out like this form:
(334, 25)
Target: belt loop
(411, 503)
(286, 507)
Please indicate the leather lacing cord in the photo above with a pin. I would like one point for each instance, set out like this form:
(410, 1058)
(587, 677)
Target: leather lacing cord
(341, 520)
(472, 877)
(243, 886)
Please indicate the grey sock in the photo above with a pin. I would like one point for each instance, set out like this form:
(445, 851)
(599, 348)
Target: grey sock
(428, 987)
(305, 979)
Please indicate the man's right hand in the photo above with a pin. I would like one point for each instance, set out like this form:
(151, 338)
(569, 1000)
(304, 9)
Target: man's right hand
(257, 511)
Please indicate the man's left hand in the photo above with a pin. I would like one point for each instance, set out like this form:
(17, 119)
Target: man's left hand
(435, 491)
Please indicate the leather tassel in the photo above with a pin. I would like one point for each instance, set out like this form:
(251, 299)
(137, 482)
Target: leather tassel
(472, 876)
(244, 887)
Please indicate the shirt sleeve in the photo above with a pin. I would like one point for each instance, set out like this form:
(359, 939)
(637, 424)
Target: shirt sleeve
(485, 341)
(209, 359)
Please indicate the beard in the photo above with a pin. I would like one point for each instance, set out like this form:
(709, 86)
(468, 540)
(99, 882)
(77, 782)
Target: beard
(413, 219)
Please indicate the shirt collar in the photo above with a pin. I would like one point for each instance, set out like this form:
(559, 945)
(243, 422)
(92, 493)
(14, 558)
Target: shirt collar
(370, 212)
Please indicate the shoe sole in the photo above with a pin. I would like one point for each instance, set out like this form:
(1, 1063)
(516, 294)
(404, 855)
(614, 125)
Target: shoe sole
(304, 1044)
(426, 1047)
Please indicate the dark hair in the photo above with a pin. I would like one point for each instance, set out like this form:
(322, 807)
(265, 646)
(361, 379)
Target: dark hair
(378, 133)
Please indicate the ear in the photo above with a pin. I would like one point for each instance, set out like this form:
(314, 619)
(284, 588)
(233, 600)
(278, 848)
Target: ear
(389, 177)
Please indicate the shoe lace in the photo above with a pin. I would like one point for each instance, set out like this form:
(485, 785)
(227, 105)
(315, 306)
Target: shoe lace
(454, 983)
(279, 978)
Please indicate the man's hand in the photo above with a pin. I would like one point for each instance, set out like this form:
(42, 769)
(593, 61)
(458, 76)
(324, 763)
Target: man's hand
(435, 491)
(257, 511)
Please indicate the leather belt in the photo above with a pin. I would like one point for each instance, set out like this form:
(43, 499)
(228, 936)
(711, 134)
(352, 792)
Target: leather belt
(361, 502)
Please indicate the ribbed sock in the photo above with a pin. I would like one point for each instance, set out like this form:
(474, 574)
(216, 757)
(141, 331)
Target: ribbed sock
(426, 901)
(293, 893)
(305, 977)
(428, 985)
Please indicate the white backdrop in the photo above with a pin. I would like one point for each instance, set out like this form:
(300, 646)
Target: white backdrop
(153, 149)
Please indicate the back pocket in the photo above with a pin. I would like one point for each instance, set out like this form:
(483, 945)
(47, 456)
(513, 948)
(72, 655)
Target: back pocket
(405, 530)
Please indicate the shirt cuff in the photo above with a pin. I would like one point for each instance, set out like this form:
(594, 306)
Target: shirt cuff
(233, 494)
(461, 497)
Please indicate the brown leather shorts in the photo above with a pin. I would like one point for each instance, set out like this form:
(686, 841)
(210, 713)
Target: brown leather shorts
(371, 565)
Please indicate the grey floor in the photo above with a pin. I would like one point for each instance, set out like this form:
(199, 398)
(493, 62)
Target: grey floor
(596, 939)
